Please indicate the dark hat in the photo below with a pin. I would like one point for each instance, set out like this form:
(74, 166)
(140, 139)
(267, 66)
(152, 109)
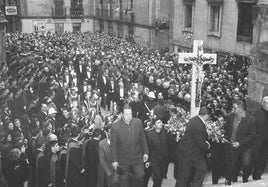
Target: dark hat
(75, 131)
(19, 144)
(40, 141)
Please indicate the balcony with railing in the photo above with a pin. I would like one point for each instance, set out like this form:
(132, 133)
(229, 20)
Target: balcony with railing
(121, 16)
(161, 24)
(76, 12)
(126, 16)
(104, 14)
(59, 12)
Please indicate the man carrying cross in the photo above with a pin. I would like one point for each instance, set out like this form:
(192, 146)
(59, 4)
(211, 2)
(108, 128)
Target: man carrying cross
(194, 143)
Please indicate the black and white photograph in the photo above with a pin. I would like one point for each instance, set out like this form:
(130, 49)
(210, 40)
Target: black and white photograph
(133, 93)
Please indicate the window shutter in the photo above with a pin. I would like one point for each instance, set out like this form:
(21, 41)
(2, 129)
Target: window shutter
(246, 1)
(215, 1)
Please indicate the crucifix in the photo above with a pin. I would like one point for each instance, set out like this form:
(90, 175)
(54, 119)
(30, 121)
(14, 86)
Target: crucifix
(198, 59)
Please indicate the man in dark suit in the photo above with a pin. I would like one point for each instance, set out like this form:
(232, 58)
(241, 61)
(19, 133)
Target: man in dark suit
(240, 131)
(106, 175)
(3, 182)
(193, 147)
(91, 158)
(36, 155)
(137, 106)
(42, 115)
(217, 155)
(81, 71)
(103, 86)
(83, 90)
(74, 166)
(120, 95)
(111, 92)
(59, 99)
(259, 155)
(160, 109)
(129, 149)
(158, 146)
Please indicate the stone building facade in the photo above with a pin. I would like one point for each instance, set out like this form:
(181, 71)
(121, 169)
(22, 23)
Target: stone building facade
(226, 26)
(223, 25)
(3, 23)
(55, 16)
(258, 71)
(11, 10)
(144, 21)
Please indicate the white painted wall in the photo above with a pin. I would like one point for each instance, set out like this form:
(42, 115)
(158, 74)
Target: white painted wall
(141, 36)
(26, 25)
(87, 26)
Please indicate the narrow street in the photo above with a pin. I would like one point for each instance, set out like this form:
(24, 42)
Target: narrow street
(170, 181)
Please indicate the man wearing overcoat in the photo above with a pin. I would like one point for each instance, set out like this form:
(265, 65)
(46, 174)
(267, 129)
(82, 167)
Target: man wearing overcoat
(129, 149)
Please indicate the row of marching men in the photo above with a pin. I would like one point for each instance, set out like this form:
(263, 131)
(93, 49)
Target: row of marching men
(66, 163)
(81, 160)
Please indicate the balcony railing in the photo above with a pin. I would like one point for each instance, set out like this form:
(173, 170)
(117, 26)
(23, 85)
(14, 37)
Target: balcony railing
(114, 15)
(161, 24)
(59, 12)
(77, 12)
(127, 17)
(102, 13)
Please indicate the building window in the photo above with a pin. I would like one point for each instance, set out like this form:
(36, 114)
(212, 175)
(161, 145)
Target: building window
(77, 8)
(214, 25)
(59, 3)
(244, 26)
(101, 26)
(120, 31)
(131, 33)
(130, 30)
(59, 27)
(76, 27)
(110, 28)
(188, 16)
(214, 19)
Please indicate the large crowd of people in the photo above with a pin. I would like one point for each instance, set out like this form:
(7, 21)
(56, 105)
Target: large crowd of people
(55, 87)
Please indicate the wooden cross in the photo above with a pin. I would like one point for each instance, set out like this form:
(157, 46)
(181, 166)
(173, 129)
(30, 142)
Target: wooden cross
(198, 59)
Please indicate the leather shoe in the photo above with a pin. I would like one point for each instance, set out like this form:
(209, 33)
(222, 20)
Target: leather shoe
(245, 180)
(234, 180)
(256, 178)
(227, 183)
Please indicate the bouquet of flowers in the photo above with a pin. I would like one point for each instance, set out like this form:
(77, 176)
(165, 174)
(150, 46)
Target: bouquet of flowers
(216, 132)
(177, 123)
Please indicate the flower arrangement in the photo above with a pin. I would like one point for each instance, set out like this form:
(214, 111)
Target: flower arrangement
(216, 132)
(177, 122)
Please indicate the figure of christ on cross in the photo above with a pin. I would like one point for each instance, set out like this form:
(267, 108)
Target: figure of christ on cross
(198, 59)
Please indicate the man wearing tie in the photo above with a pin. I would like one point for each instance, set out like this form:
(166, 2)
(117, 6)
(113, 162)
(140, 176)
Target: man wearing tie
(89, 77)
(111, 94)
(81, 71)
(103, 86)
(120, 95)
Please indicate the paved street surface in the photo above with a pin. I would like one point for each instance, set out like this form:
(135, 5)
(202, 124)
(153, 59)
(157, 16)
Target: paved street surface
(170, 181)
